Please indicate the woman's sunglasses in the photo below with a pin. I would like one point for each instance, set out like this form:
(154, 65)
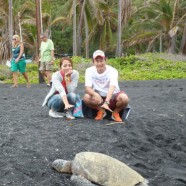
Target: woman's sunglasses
(14, 39)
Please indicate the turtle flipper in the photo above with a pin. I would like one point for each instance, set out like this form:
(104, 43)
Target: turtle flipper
(62, 166)
(80, 181)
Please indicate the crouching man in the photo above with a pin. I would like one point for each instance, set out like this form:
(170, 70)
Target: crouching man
(102, 90)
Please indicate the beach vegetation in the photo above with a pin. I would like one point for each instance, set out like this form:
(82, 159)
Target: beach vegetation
(149, 66)
(119, 27)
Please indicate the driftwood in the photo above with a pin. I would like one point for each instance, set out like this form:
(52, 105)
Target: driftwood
(113, 123)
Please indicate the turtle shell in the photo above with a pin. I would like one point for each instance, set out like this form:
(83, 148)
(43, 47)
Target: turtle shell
(104, 170)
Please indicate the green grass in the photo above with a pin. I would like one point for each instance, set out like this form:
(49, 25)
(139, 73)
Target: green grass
(135, 67)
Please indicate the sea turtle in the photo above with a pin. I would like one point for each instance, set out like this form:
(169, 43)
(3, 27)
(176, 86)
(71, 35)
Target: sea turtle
(90, 168)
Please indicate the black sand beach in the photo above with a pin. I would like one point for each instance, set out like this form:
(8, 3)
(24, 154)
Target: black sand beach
(152, 142)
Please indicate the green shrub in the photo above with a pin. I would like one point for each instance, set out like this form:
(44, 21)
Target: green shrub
(148, 66)
(5, 73)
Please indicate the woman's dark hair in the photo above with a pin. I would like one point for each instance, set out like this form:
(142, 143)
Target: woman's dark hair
(65, 58)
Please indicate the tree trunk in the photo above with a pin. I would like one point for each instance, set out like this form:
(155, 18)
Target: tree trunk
(38, 27)
(79, 39)
(10, 27)
(184, 49)
(118, 48)
(74, 29)
(173, 29)
(161, 42)
(183, 42)
(87, 36)
(124, 7)
(173, 45)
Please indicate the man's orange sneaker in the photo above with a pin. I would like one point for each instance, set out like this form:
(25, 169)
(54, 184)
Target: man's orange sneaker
(116, 117)
(100, 115)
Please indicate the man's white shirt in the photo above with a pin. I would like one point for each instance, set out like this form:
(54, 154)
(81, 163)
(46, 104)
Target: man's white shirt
(101, 82)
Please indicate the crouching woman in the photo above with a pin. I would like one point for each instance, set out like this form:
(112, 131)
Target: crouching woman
(62, 97)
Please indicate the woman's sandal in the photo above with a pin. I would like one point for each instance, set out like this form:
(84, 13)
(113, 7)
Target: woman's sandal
(14, 86)
(28, 85)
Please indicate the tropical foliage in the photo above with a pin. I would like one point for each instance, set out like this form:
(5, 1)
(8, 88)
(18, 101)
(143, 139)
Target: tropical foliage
(145, 26)
(147, 66)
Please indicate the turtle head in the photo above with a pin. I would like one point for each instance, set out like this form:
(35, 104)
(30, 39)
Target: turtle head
(62, 166)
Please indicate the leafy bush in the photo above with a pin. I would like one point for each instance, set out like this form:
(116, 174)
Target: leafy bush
(4, 73)
(134, 67)
(149, 67)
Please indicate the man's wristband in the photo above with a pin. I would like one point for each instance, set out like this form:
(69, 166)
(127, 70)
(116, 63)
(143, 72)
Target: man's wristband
(106, 102)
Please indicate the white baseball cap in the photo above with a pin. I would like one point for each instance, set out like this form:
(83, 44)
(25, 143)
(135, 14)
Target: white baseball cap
(98, 53)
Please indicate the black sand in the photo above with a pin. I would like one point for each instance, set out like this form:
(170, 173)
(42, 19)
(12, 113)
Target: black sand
(153, 142)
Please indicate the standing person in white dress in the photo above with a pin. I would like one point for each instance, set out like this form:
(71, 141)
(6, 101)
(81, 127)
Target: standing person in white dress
(102, 91)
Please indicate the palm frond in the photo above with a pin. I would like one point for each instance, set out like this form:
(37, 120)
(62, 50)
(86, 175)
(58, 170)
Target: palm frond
(57, 20)
(141, 38)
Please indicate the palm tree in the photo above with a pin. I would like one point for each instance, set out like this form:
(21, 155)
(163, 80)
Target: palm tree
(87, 36)
(118, 49)
(157, 20)
(104, 24)
(124, 8)
(174, 29)
(76, 10)
(4, 37)
(65, 14)
(27, 21)
(100, 18)
(183, 41)
(79, 33)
